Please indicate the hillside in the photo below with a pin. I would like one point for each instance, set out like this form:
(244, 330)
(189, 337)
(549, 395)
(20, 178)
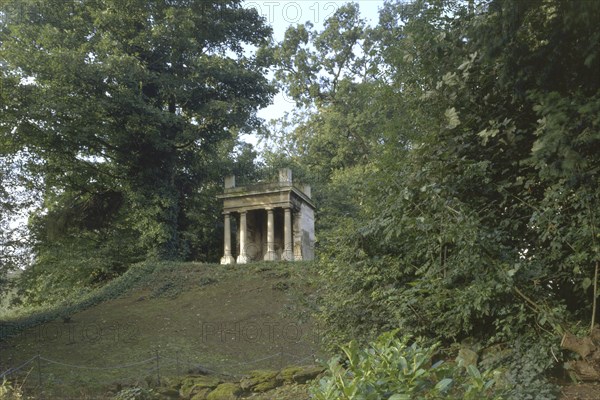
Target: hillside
(165, 319)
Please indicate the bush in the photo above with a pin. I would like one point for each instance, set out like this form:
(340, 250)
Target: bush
(8, 391)
(392, 369)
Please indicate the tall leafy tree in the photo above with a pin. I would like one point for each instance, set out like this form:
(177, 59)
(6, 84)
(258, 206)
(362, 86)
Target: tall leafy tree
(126, 112)
(134, 96)
(477, 218)
(334, 76)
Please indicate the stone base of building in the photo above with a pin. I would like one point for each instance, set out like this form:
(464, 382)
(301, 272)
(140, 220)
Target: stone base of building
(271, 256)
(227, 260)
(242, 259)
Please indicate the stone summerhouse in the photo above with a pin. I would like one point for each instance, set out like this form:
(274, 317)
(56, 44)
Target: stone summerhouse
(269, 221)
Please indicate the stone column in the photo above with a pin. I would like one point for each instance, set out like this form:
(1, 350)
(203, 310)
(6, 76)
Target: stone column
(227, 258)
(288, 249)
(270, 254)
(242, 258)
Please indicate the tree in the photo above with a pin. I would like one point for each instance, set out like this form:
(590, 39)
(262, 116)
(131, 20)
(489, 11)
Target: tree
(477, 218)
(335, 78)
(331, 75)
(129, 109)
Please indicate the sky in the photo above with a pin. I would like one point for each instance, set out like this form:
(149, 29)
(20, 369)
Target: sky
(282, 13)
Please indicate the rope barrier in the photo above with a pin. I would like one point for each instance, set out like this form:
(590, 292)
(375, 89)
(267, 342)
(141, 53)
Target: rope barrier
(11, 371)
(181, 362)
(171, 362)
(256, 361)
(298, 359)
(192, 364)
(312, 356)
(203, 367)
(168, 364)
(189, 363)
(100, 368)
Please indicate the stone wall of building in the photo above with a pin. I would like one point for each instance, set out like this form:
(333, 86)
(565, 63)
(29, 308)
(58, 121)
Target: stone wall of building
(304, 233)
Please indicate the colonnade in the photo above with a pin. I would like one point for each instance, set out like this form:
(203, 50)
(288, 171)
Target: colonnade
(270, 254)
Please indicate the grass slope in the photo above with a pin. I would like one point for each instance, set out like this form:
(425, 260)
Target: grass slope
(173, 316)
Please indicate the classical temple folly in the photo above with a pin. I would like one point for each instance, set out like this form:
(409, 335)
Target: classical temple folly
(269, 221)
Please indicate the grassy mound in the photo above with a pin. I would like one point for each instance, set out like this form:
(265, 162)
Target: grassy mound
(166, 319)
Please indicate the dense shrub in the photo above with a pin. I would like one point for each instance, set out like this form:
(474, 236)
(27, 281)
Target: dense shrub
(392, 369)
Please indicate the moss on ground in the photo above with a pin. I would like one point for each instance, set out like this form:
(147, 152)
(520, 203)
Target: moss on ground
(225, 391)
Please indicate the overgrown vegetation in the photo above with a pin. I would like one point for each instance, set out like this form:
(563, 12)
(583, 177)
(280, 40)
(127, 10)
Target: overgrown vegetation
(24, 318)
(109, 339)
(119, 120)
(453, 149)
(135, 393)
(9, 391)
(457, 142)
(392, 369)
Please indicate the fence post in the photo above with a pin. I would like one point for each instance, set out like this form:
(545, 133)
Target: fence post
(157, 368)
(39, 373)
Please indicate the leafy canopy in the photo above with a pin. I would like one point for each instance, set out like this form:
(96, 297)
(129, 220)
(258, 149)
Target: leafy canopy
(126, 114)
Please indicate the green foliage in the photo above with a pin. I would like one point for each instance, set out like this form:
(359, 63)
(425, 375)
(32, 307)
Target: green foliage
(392, 369)
(78, 300)
(122, 118)
(330, 138)
(80, 242)
(313, 67)
(8, 391)
(471, 210)
(528, 363)
(15, 200)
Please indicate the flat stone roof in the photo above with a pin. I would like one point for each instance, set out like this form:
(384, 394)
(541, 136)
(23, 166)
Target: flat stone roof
(261, 189)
